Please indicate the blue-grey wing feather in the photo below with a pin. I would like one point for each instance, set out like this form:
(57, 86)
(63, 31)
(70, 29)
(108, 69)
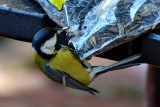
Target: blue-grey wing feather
(70, 82)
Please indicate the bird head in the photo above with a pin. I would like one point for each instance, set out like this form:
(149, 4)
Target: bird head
(45, 44)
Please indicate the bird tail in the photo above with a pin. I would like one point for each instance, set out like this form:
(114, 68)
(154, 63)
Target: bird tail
(127, 62)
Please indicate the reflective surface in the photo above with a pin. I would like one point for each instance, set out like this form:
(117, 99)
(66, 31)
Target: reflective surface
(98, 26)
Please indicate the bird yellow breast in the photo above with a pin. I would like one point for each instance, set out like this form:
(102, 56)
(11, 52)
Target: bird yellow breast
(40, 61)
(65, 61)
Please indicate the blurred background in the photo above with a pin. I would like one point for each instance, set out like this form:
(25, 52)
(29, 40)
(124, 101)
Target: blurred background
(22, 84)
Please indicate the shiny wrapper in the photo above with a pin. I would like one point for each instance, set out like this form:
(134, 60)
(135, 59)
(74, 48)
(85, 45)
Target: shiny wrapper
(99, 25)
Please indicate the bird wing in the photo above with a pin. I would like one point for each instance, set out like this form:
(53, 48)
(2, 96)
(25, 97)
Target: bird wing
(65, 79)
(84, 62)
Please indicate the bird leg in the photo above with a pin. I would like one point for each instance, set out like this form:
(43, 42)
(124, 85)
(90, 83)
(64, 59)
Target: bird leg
(64, 80)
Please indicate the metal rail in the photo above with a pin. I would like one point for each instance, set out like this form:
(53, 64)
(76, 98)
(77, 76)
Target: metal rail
(21, 19)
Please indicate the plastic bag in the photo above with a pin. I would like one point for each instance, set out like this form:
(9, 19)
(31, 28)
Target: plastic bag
(99, 25)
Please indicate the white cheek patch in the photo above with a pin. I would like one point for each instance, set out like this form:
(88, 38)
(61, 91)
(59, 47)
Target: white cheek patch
(49, 46)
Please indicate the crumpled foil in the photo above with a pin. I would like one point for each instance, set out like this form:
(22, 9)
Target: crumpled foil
(99, 25)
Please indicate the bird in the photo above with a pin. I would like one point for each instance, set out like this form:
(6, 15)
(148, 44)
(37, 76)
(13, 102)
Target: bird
(60, 63)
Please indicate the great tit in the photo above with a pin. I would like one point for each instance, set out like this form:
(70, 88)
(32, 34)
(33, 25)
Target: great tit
(60, 64)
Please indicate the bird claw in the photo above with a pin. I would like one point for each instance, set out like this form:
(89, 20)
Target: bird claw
(65, 28)
(64, 80)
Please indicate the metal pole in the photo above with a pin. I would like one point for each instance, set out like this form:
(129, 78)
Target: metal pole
(153, 86)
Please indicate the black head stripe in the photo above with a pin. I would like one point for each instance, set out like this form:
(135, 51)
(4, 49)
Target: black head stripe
(40, 38)
(62, 39)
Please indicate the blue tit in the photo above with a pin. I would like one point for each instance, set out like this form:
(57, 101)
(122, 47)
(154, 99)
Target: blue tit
(60, 64)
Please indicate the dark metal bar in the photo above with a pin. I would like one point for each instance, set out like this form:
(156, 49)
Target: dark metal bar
(151, 49)
(21, 19)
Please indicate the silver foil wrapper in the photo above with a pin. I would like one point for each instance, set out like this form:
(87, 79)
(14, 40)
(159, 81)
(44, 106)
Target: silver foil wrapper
(99, 25)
